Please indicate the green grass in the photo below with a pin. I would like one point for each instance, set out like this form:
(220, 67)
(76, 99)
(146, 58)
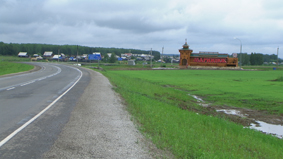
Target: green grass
(13, 58)
(280, 78)
(249, 89)
(9, 67)
(265, 68)
(159, 103)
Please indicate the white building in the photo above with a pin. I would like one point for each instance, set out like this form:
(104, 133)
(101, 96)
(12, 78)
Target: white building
(23, 54)
(47, 54)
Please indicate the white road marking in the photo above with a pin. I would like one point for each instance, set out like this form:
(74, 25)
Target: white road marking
(40, 113)
(38, 79)
(27, 83)
(41, 79)
(10, 88)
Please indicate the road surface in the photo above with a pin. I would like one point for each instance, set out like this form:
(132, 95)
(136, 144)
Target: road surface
(23, 96)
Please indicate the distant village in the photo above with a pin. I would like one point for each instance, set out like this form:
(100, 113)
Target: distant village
(95, 56)
(49, 55)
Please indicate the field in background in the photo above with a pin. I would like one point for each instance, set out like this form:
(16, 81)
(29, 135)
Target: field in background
(160, 104)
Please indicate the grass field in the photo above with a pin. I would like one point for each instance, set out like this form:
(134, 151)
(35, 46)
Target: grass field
(159, 103)
(10, 67)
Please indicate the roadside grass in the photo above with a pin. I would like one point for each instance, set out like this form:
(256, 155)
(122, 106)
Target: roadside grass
(13, 58)
(159, 102)
(10, 67)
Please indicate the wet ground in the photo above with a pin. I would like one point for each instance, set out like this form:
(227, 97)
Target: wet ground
(255, 119)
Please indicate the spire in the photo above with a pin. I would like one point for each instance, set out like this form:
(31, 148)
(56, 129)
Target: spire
(186, 46)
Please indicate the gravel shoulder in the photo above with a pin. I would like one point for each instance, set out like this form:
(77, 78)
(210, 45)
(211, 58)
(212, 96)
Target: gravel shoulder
(100, 127)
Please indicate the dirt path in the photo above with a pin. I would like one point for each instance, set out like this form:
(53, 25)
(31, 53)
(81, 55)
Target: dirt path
(100, 127)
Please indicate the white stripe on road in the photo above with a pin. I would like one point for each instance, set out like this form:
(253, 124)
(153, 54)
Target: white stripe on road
(40, 113)
(27, 83)
(10, 88)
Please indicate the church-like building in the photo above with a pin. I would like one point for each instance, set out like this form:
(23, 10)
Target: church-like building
(188, 58)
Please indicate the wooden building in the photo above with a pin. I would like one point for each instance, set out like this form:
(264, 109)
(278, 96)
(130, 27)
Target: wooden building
(188, 58)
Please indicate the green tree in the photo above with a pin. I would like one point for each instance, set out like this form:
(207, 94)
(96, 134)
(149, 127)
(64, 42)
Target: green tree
(112, 59)
(245, 59)
(252, 59)
(256, 59)
(106, 58)
(156, 56)
(167, 59)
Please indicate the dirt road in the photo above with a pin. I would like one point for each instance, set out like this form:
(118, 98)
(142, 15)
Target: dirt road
(100, 127)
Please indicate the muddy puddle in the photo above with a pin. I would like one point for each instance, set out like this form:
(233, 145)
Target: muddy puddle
(254, 119)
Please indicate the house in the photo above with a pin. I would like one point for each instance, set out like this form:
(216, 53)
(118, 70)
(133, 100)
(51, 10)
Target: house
(146, 56)
(265, 63)
(48, 54)
(131, 62)
(23, 54)
(94, 56)
(56, 57)
(109, 54)
(128, 54)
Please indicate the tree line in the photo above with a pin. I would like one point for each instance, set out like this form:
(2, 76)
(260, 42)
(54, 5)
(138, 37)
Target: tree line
(257, 58)
(12, 49)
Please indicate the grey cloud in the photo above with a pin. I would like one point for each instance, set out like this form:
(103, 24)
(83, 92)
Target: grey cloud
(141, 24)
(134, 24)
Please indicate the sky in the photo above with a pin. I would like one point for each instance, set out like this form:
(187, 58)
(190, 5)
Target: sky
(214, 26)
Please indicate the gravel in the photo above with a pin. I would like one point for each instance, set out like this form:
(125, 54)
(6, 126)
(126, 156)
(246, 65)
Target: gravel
(100, 127)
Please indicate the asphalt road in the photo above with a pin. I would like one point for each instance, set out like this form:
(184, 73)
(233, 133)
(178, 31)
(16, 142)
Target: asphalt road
(23, 96)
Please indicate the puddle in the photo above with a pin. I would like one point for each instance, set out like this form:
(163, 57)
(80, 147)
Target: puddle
(232, 112)
(276, 130)
(200, 101)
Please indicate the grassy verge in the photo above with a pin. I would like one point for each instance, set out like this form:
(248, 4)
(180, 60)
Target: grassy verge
(9, 67)
(159, 102)
(13, 58)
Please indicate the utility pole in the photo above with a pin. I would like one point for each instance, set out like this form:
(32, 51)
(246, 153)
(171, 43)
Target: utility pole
(77, 55)
(98, 60)
(58, 52)
(162, 54)
(277, 55)
(151, 57)
(240, 52)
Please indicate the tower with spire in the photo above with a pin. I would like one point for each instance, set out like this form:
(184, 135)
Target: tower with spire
(185, 54)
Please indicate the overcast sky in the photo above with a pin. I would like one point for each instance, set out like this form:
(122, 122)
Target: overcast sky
(208, 25)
